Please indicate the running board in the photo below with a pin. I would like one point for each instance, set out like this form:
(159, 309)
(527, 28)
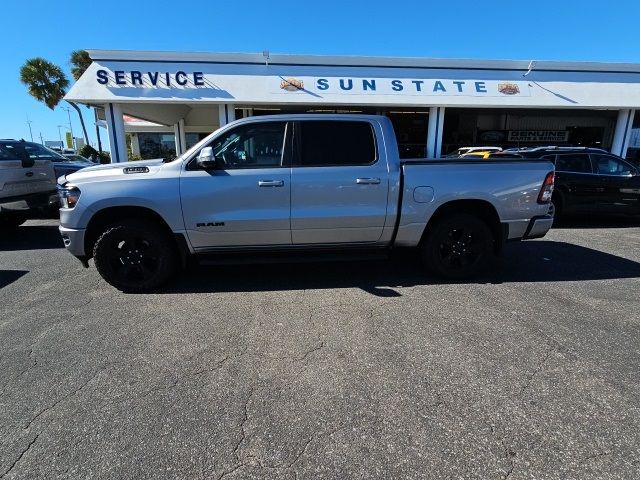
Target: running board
(293, 256)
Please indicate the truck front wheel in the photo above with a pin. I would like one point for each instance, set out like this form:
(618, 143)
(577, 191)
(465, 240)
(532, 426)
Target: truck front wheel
(459, 246)
(135, 255)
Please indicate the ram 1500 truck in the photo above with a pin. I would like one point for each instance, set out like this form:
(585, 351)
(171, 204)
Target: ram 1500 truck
(292, 183)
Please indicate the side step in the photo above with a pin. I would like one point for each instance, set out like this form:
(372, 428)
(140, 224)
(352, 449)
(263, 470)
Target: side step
(290, 256)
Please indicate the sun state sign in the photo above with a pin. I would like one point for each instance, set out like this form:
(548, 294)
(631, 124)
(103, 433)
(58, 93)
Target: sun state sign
(399, 86)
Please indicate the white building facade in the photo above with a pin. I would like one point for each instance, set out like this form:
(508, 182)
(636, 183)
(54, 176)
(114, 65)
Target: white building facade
(161, 103)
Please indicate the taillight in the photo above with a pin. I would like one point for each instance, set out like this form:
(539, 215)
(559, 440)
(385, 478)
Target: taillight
(547, 188)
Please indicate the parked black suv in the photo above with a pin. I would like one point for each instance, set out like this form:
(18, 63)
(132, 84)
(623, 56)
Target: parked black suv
(590, 180)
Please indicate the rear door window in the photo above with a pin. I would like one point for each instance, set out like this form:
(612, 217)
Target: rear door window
(336, 143)
(573, 163)
(610, 165)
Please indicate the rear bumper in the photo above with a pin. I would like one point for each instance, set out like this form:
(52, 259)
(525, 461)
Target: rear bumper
(73, 241)
(29, 202)
(538, 227)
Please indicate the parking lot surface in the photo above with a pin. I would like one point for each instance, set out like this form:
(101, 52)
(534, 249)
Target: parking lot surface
(370, 369)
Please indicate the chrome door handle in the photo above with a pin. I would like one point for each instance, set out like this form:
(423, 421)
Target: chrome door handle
(270, 183)
(367, 181)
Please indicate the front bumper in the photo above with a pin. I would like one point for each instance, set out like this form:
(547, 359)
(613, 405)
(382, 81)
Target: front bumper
(31, 201)
(538, 227)
(73, 241)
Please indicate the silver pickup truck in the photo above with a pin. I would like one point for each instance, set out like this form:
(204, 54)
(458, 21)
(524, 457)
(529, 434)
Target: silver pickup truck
(291, 183)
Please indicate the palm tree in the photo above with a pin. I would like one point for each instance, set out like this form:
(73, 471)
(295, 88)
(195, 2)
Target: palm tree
(80, 60)
(47, 83)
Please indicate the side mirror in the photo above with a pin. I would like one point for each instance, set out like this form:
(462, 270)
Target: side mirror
(206, 159)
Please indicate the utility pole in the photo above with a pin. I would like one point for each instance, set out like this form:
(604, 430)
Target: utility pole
(73, 144)
(41, 140)
(60, 136)
(29, 122)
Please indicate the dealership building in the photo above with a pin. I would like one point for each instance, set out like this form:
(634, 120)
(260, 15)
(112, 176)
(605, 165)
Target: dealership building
(158, 104)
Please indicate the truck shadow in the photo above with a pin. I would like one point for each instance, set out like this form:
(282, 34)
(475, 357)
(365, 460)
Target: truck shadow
(7, 277)
(536, 261)
(31, 237)
(596, 221)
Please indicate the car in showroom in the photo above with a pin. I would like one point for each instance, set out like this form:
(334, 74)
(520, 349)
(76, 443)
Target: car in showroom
(590, 180)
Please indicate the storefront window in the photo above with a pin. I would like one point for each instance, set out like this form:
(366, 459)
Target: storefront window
(472, 127)
(157, 145)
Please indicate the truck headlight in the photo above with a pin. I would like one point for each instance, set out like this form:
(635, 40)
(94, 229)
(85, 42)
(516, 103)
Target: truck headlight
(69, 195)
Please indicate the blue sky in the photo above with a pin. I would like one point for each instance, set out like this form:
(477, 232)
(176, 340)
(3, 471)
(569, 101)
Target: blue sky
(494, 29)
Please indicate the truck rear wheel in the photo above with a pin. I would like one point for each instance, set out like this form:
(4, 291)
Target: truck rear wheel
(459, 246)
(135, 255)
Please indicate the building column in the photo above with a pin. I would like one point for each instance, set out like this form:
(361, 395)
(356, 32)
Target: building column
(227, 113)
(135, 144)
(434, 132)
(622, 133)
(180, 137)
(115, 127)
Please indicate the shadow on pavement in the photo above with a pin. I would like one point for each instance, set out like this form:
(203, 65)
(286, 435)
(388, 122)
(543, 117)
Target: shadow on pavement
(9, 276)
(597, 221)
(535, 261)
(31, 237)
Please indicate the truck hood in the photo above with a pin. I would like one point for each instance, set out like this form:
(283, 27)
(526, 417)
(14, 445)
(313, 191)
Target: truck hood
(115, 170)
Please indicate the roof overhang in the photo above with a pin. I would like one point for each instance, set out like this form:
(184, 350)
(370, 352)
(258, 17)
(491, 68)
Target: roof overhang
(132, 77)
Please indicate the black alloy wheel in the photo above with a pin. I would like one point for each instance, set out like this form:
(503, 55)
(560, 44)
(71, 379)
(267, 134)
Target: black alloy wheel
(459, 246)
(135, 256)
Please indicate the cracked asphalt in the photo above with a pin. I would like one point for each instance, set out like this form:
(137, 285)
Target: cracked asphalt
(370, 369)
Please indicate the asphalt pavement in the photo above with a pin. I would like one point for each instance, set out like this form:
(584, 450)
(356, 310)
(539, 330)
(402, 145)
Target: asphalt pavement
(368, 369)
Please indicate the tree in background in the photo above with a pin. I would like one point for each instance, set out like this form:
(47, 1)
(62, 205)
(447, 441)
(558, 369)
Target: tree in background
(47, 83)
(80, 61)
(87, 151)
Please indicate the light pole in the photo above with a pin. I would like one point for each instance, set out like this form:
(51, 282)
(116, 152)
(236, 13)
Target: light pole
(60, 136)
(29, 122)
(73, 143)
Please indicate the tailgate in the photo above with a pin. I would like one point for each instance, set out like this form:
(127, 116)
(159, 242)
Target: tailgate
(16, 180)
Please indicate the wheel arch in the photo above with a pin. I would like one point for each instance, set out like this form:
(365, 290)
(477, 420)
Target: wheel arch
(481, 208)
(109, 215)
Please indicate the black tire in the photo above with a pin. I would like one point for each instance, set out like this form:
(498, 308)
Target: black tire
(12, 220)
(459, 246)
(135, 255)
